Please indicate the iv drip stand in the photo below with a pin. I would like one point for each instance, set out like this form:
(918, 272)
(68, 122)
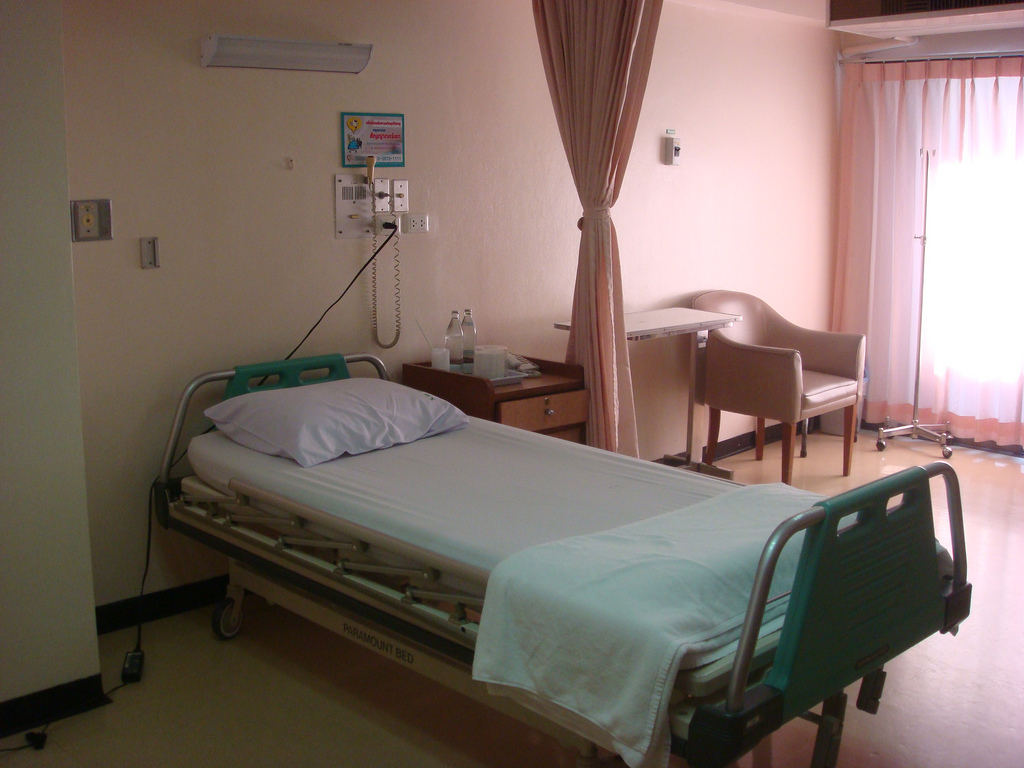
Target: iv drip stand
(934, 432)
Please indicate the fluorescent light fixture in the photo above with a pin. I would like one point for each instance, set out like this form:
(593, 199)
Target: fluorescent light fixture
(261, 53)
(972, 19)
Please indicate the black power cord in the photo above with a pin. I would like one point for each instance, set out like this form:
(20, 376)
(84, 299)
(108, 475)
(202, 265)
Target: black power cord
(131, 671)
(33, 740)
(37, 739)
(386, 225)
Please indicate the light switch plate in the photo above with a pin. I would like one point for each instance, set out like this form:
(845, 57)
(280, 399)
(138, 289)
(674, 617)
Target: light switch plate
(149, 252)
(90, 220)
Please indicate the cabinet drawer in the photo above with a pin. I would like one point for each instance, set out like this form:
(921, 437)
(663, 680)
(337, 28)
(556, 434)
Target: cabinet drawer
(545, 412)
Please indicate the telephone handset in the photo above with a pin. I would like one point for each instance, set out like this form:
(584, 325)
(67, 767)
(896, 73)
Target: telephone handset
(521, 364)
(370, 161)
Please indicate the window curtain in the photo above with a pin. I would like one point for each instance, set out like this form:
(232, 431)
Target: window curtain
(597, 56)
(969, 116)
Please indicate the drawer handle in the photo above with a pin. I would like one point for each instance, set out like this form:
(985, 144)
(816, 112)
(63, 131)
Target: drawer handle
(548, 410)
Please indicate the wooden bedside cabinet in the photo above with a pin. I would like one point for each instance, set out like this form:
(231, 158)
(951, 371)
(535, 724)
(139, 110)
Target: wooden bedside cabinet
(554, 403)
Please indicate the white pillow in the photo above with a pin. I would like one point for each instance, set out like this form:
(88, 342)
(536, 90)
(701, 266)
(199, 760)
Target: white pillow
(314, 423)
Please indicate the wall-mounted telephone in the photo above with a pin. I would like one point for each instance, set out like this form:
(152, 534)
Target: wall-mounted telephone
(362, 206)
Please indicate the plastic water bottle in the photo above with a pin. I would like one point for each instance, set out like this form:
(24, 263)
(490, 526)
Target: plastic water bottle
(453, 339)
(468, 334)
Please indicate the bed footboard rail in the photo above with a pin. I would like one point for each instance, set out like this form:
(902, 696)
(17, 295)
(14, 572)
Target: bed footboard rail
(869, 585)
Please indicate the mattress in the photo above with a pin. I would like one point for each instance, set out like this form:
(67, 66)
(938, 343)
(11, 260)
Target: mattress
(476, 495)
(489, 495)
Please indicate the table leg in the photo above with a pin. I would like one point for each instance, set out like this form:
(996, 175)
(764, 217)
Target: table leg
(696, 423)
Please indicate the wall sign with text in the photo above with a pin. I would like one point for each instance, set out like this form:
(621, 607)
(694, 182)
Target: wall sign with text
(380, 135)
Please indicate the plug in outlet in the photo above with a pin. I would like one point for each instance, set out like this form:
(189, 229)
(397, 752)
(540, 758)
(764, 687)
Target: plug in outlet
(415, 222)
(380, 221)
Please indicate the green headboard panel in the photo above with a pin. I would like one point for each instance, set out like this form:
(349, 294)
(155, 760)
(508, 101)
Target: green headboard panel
(281, 374)
(867, 588)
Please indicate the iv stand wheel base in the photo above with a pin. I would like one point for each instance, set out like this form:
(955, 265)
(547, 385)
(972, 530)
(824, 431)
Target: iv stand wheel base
(937, 433)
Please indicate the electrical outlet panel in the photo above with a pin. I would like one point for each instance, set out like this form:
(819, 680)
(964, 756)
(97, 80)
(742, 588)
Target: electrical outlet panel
(353, 207)
(90, 220)
(415, 222)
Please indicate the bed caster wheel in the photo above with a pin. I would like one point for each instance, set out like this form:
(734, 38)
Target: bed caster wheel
(227, 621)
(880, 445)
(946, 451)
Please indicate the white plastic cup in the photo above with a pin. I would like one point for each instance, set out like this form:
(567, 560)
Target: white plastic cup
(439, 358)
(489, 361)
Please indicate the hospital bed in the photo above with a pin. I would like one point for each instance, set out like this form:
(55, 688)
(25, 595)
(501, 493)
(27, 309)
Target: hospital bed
(394, 550)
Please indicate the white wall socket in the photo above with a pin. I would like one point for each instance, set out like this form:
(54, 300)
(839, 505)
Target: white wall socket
(415, 222)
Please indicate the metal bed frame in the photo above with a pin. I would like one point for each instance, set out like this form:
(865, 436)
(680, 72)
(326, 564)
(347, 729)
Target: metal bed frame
(869, 554)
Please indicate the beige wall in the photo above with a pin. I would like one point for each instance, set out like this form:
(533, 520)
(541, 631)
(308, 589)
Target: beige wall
(198, 158)
(751, 96)
(47, 622)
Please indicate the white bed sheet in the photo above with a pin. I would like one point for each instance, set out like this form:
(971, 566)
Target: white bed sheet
(591, 631)
(516, 489)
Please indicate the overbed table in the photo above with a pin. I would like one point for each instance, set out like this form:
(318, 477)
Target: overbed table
(676, 321)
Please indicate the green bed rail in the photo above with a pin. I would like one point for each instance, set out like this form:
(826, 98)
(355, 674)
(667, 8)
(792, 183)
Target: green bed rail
(281, 374)
(868, 581)
(868, 586)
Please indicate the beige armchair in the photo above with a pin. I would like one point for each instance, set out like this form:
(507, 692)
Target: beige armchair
(766, 367)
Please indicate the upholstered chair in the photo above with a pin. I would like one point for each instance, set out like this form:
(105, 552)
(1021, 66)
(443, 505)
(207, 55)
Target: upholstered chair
(767, 367)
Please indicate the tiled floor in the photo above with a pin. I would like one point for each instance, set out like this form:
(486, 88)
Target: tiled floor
(287, 693)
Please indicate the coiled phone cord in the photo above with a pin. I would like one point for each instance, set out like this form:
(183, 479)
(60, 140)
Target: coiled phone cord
(373, 296)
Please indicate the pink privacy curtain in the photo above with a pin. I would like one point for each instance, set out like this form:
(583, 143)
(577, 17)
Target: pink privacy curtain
(970, 114)
(597, 56)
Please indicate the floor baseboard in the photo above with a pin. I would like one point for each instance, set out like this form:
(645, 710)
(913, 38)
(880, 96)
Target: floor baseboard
(43, 707)
(159, 605)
